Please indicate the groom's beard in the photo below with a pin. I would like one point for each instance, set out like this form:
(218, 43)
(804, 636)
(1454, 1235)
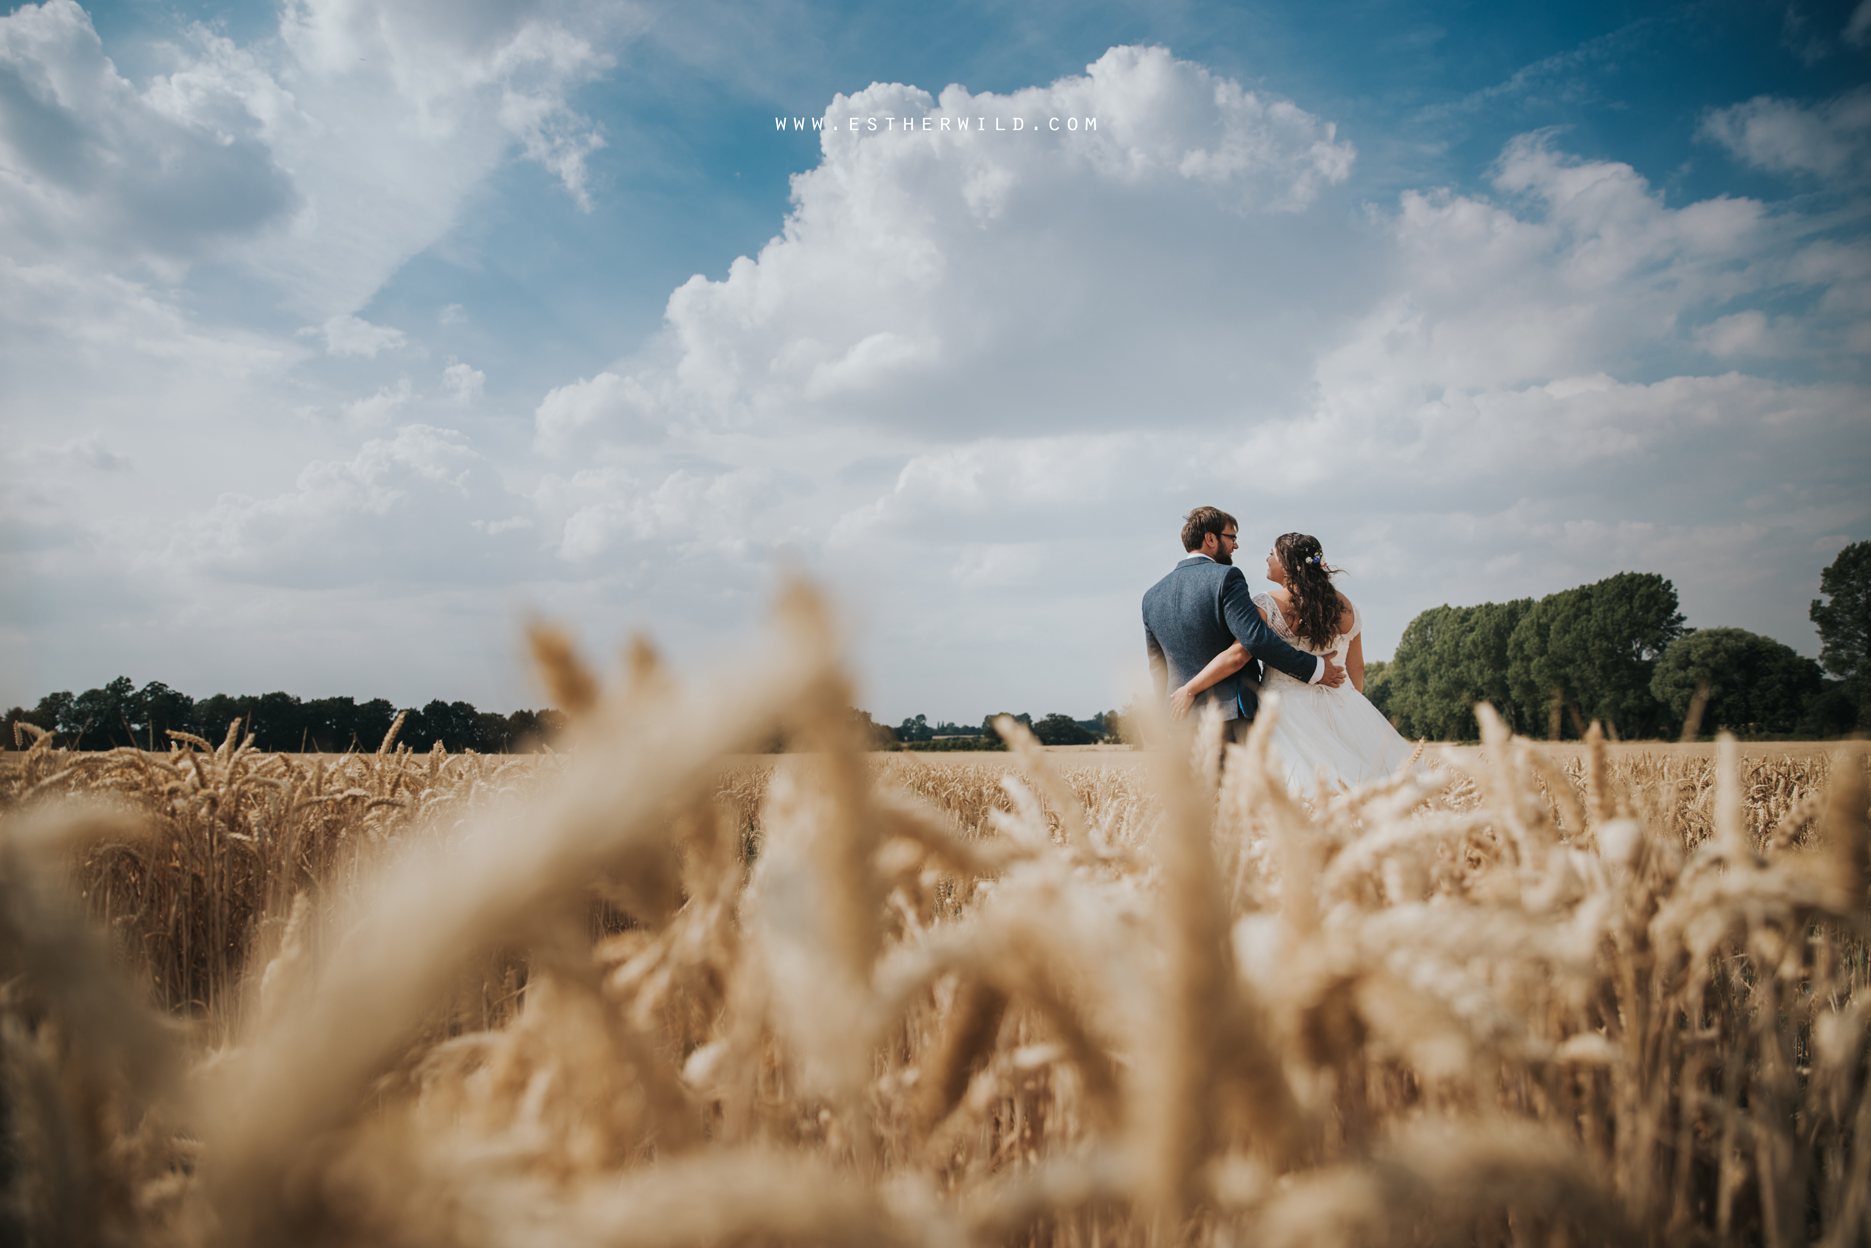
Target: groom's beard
(1225, 556)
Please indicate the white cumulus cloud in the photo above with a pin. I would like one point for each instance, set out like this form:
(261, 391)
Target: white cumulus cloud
(88, 451)
(465, 382)
(381, 407)
(94, 166)
(960, 281)
(619, 406)
(693, 512)
(351, 335)
(1831, 140)
(401, 506)
(320, 161)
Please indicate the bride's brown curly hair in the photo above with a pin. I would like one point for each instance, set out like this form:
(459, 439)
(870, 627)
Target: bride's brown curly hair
(1309, 581)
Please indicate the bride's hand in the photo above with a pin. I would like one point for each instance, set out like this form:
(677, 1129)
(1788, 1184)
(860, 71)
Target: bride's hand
(1180, 702)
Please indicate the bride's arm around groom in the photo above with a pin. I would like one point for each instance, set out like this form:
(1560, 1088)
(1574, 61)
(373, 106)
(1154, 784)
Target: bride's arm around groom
(1202, 607)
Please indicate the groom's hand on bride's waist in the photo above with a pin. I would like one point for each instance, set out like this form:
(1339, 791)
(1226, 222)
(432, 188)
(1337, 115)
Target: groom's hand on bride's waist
(1334, 675)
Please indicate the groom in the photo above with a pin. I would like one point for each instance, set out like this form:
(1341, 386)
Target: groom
(1201, 608)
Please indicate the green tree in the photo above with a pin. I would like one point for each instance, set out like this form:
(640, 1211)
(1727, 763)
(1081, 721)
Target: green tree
(876, 736)
(278, 723)
(1833, 713)
(13, 737)
(1416, 700)
(45, 716)
(57, 708)
(492, 730)
(1121, 726)
(102, 716)
(987, 725)
(1844, 623)
(1483, 659)
(1377, 684)
(216, 713)
(1448, 659)
(1755, 683)
(1597, 644)
(120, 714)
(1058, 729)
(159, 710)
(527, 731)
(331, 725)
(1595, 648)
(456, 725)
(370, 724)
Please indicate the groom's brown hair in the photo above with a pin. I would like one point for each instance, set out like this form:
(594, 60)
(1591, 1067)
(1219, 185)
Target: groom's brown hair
(1204, 520)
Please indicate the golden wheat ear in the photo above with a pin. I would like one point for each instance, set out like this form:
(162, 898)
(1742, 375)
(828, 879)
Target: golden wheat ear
(1845, 830)
(732, 1197)
(966, 1043)
(1173, 1115)
(447, 899)
(87, 1061)
(1447, 1179)
(66, 965)
(1052, 787)
(569, 682)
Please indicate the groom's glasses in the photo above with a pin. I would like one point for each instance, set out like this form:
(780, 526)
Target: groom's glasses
(1230, 537)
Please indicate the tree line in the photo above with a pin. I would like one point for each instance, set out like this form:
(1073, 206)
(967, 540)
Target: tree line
(1617, 651)
(1057, 728)
(120, 714)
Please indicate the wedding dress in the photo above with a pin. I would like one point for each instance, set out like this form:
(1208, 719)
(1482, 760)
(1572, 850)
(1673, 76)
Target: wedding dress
(1336, 732)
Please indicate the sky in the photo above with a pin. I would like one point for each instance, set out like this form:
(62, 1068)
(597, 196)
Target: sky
(338, 340)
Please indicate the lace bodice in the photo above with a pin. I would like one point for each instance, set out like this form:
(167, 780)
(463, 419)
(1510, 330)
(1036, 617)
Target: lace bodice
(1278, 621)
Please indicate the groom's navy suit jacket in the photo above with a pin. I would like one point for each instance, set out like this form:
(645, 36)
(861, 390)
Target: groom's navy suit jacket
(1197, 611)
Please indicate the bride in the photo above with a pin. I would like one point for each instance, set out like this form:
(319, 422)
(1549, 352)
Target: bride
(1322, 733)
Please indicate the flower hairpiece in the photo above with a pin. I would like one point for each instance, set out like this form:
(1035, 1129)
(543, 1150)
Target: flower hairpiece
(1314, 558)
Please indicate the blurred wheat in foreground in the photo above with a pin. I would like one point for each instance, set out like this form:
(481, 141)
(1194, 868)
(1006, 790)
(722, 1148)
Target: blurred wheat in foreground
(636, 994)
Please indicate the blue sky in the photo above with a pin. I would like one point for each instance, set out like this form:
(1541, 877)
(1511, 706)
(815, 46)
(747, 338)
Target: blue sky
(343, 337)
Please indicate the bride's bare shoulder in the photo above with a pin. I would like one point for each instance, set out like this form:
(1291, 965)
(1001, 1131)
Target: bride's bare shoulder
(1347, 614)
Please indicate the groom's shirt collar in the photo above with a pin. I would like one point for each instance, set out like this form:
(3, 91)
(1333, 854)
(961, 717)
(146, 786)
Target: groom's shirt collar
(1195, 554)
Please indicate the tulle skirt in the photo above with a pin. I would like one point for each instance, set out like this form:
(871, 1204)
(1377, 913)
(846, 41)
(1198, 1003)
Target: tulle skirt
(1334, 734)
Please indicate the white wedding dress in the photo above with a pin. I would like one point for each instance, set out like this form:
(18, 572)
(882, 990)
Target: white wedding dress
(1336, 732)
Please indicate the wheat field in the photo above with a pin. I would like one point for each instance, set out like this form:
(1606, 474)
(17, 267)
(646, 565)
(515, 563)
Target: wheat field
(639, 993)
